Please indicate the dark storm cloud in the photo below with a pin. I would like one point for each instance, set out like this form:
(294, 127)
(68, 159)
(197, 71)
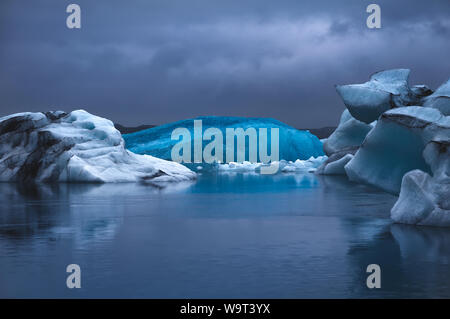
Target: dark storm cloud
(158, 61)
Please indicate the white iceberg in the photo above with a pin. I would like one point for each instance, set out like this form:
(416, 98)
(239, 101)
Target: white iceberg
(75, 147)
(385, 90)
(395, 146)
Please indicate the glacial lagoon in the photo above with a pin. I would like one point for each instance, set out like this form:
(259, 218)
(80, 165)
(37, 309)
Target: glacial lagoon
(228, 235)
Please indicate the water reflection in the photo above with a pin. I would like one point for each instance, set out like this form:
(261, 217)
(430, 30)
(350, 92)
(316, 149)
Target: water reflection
(242, 235)
(419, 243)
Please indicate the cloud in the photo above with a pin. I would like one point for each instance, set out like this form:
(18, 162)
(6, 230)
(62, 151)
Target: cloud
(159, 61)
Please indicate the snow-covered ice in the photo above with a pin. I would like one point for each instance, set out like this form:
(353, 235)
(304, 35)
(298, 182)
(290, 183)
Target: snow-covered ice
(75, 147)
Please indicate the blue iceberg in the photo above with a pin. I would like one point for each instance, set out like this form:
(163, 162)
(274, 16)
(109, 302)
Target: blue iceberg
(293, 143)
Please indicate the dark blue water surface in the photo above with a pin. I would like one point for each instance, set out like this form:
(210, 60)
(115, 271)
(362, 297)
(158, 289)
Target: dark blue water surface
(231, 236)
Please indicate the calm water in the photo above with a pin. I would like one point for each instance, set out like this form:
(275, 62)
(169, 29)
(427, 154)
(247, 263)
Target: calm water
(286, 236)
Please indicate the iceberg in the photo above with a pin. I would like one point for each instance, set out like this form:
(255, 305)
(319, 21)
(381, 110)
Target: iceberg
(395, 146)
(385, 90)
(396, 138)
(293, 143)
(75, 147)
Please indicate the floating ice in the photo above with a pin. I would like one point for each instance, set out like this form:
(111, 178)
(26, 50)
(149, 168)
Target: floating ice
(75, 147)
(407, 149)
(298, 166)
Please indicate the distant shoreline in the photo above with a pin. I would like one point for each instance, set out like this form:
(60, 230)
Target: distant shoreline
(321, 133)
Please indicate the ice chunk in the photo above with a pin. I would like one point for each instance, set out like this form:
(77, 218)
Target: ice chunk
(421, 90)
(395, 146)
(440, 99)
(75, 147)
(365, 104)
(348, 135)
(385, 90)
(425, 199)
(310, 165)
(334, 166)
(299, 166)
(343, 144)
(293, 144)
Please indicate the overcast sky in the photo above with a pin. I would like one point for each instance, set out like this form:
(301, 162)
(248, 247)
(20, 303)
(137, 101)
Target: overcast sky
(155, 61)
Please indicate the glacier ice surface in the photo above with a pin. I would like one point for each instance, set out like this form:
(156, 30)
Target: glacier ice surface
(75, 147)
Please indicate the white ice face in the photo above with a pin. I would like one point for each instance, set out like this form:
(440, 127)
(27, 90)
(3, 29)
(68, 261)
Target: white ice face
(75, 147)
